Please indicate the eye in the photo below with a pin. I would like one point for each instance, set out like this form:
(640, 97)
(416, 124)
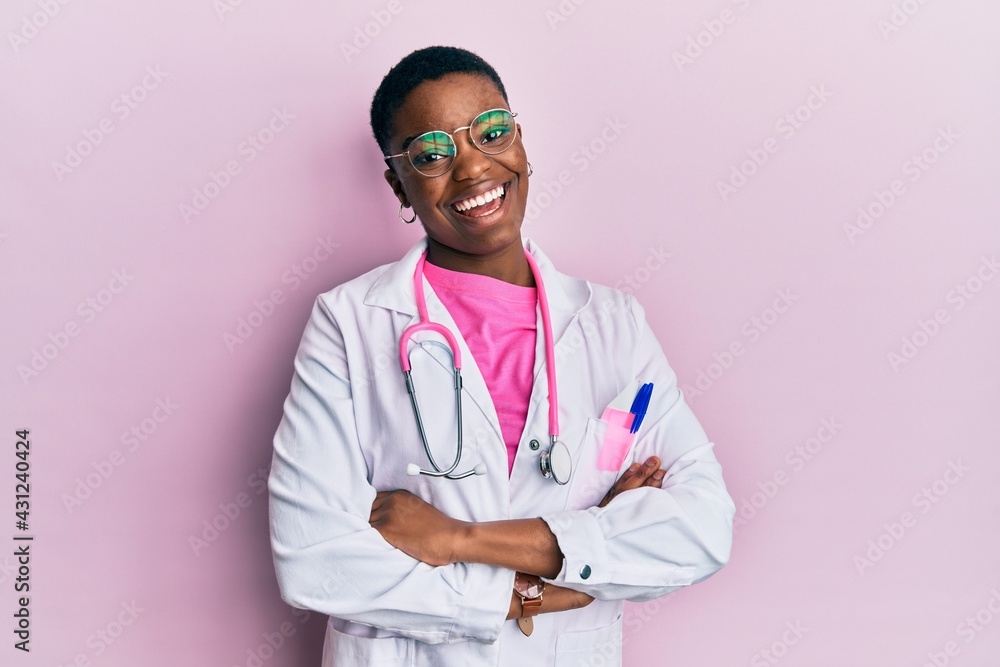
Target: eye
(431, 147)
(494, 134)
(426, 157)
(494, 128)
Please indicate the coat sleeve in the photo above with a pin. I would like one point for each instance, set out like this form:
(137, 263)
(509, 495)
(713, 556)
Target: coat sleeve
(327, 557)
(649, 541)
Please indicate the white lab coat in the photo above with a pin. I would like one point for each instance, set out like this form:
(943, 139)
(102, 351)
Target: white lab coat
(348, 431)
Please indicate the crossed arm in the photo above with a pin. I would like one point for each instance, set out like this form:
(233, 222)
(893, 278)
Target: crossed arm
(526, 545)
(327, 559)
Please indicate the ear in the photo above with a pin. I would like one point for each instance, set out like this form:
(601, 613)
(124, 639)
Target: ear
(397, 187)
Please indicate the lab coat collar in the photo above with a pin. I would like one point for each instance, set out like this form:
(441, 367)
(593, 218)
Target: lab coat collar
(567, 296)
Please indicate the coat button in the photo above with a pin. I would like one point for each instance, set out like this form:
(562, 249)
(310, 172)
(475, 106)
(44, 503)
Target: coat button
(534, 445)
(585, 572)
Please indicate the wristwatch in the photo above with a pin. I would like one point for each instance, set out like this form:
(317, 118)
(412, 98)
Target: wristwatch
(529, 588)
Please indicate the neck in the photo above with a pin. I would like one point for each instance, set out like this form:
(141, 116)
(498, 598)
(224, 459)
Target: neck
(507, 264)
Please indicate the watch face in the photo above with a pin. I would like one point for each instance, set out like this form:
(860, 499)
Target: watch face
(529, 588)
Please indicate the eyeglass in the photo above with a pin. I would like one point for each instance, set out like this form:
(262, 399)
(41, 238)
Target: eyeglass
(433, 153)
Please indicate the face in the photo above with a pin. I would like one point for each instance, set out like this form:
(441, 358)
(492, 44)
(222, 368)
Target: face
(445, 104)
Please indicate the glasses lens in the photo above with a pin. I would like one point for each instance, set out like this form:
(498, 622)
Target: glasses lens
(432, 153)
(493, 131)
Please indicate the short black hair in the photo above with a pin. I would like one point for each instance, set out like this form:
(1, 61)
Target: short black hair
(432, 62)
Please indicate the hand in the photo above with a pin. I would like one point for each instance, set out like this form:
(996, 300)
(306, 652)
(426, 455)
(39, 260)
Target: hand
(415, 527)
(554, 598)
(647, 474)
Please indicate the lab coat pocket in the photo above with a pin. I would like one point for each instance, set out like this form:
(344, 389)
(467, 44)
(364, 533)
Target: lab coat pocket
(582, 648)
(341, 648)
(590, 483)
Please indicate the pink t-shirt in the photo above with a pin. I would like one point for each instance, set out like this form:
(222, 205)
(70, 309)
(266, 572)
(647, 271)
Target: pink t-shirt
(497, 321)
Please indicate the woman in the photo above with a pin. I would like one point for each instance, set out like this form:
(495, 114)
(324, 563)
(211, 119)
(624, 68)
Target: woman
(417, 569)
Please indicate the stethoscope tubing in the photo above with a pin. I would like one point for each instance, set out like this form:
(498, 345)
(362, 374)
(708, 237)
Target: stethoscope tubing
(437, 472)
(550, 355)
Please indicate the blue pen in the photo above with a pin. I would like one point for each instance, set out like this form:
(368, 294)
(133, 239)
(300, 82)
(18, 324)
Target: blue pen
(636, 401)
(636, 408)
(639, 405)
(647, 391)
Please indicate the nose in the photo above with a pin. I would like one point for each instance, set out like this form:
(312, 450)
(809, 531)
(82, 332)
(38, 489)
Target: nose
(470, 162)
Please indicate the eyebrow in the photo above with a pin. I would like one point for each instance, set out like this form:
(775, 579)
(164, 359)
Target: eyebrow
(406, 142)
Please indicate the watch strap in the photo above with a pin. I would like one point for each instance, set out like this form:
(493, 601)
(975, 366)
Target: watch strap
(530, 606)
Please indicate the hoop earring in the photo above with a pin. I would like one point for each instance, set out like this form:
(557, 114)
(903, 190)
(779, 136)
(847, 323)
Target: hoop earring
(531, 169)
(400, 214)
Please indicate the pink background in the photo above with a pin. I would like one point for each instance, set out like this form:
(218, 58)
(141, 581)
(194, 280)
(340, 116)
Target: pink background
(664, 133)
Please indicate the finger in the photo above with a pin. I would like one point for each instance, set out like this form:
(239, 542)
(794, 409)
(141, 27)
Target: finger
(632, 469)
(656, 479)
(641, 474)
(635, 476)
(632, 478)
(385, 501)
(648, 468)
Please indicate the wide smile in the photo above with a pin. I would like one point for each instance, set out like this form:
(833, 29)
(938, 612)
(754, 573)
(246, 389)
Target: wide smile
(485, 208)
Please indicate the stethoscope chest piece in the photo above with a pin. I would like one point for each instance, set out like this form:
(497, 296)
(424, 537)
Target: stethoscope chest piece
(556, 463)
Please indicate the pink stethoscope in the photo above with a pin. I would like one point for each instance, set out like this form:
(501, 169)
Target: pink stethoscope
(556, 462)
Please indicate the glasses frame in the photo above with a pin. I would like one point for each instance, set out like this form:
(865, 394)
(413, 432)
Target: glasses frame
(451, 135)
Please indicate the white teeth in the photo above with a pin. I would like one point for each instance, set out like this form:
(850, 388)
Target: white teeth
(480, 200)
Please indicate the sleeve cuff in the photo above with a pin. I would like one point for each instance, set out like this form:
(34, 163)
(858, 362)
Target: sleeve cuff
(484, 605)
(589, 567)
(582, 543)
